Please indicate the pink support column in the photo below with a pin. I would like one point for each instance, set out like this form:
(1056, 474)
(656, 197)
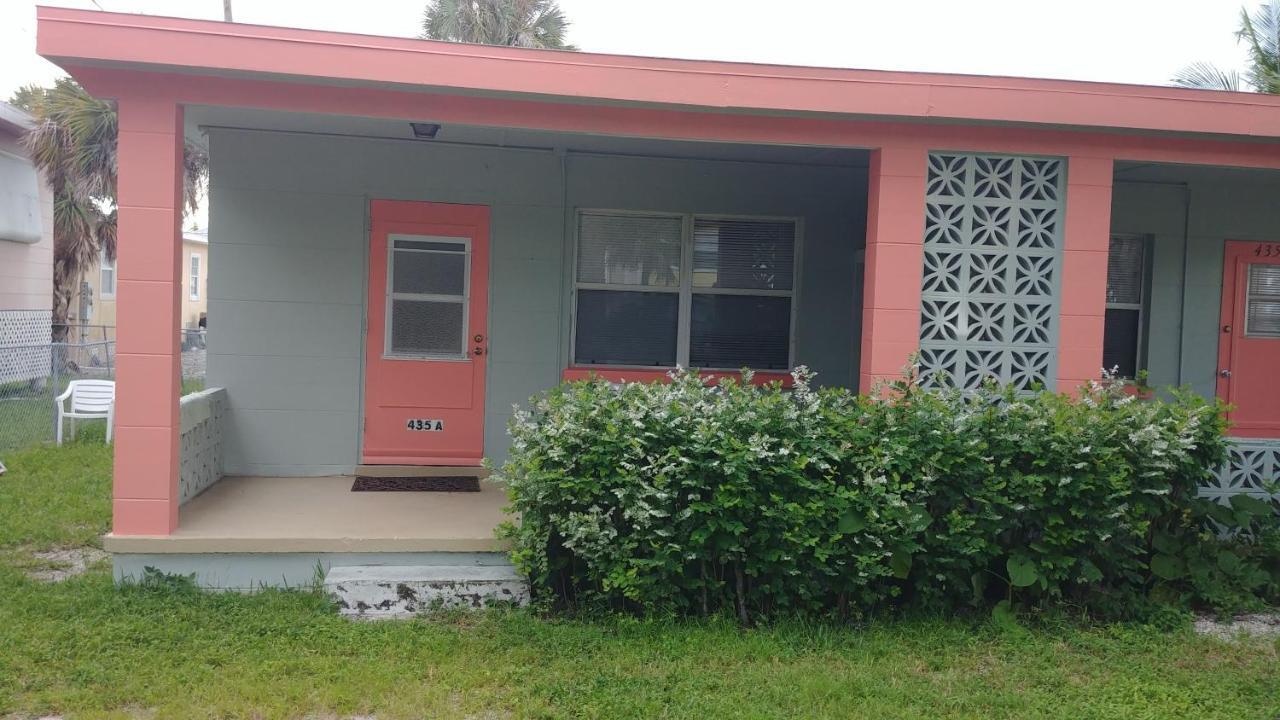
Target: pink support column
(148, 305)
(1084, 270)
(893, 262)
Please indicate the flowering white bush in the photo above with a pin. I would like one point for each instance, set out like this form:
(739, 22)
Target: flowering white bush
(696, 497)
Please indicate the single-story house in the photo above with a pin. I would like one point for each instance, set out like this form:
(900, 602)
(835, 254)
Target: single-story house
(26, 256)
(414, 236)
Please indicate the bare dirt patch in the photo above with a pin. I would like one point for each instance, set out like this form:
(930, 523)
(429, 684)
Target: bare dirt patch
(57, 565)
(1259, 625)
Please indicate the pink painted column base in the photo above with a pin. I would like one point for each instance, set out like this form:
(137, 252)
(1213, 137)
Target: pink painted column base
(893, 263)
(1087, 237)
(148, 358)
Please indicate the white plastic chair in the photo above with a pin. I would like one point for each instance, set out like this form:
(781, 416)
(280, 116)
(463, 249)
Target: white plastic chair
(90, 399)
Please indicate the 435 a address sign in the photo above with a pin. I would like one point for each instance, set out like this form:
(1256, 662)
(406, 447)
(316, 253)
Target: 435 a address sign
(424, 425)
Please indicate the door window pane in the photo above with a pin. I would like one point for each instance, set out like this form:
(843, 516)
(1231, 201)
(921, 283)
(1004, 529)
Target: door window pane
(626, 328)
(1263, 314)
(429, 273)
(426, 327)
(736, 331)
(629, 250)
(743, 254)
(1120, 341)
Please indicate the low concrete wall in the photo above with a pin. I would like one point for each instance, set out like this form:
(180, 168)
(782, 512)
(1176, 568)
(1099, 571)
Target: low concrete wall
(203, 425)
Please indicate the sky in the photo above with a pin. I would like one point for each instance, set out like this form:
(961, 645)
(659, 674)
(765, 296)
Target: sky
(1137, 41)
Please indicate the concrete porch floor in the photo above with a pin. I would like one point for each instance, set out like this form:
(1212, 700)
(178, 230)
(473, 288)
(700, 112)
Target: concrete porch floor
(322, 515)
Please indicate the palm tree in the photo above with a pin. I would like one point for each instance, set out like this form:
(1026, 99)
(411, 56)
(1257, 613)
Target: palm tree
(74, 144)
(1260, 32)
(516, 23)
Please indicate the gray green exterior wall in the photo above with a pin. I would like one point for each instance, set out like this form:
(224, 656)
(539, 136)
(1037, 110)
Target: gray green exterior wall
(288, 245)
(1189, 222)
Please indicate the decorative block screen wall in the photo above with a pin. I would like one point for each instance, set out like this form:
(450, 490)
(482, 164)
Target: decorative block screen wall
(1251, 465)
(992, 268)
(203, 423)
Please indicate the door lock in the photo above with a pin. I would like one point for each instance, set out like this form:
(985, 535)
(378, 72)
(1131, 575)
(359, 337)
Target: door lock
(1225, 373)
(479, 338)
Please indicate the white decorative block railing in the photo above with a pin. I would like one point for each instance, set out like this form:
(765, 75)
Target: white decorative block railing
(203, 418)
(1251, 465)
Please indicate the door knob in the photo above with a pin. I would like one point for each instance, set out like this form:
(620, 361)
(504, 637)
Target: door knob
(1225, 373)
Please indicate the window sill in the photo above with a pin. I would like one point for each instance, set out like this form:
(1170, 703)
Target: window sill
(620, 375)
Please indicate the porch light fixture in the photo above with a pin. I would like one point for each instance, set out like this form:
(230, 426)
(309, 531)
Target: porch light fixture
(425, 131)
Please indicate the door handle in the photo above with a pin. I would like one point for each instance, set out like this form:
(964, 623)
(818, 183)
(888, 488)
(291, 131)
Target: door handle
(1225, 373)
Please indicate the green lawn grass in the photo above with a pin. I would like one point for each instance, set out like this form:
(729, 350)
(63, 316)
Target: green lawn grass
(84, 648)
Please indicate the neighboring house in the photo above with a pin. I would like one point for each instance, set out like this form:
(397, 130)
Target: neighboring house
(26, 255)
(414, 236)
(94, 307)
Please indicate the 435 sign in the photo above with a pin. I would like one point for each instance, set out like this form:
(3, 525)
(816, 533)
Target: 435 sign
(424, 425)
(1267, 250)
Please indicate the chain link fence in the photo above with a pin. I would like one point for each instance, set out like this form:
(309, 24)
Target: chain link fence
(34, 374)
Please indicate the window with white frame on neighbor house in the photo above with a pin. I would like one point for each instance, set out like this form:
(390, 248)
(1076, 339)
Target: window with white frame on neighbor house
(1126, 304)
(195, 276)
(106, 276)
(702, 291)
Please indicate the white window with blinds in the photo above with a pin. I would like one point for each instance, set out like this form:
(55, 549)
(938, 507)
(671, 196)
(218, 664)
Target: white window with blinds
(1262, 311)
(195, 276)
(106, 276)
(658, 290)
(1126, 309)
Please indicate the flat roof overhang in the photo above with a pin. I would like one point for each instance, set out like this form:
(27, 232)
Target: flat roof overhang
(198, 62)
(79, 37)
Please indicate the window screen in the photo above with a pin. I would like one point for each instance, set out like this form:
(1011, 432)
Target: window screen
(1263, 310)
(1126, 293)
(637, 305)
(427, 296)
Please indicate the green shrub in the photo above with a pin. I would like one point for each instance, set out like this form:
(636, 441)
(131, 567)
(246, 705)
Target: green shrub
(690, 498)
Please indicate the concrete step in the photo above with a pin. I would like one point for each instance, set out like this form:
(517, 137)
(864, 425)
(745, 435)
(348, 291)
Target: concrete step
(421, 471)
(401, 591)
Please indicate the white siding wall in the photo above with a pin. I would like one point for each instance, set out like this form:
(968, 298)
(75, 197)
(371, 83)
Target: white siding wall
(287, 231)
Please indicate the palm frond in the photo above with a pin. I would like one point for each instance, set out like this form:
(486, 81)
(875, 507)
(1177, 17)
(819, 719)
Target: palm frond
(1207, 76)
(515, 23)
(1260, 32)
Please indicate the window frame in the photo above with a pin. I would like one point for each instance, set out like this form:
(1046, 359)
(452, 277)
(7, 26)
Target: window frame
(685, 290)
(1144, 298)
(103, 267)
(194, 267)
(391, 296)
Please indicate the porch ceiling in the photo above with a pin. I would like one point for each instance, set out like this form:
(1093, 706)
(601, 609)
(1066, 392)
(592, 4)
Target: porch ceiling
(200, 117)
(1182, 173)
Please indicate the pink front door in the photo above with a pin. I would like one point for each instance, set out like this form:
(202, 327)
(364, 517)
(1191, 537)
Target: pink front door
(427, 334)
(1249, 352)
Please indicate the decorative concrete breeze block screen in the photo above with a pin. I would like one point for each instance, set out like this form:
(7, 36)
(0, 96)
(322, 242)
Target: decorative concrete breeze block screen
(1251, 465)
(992, 268)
